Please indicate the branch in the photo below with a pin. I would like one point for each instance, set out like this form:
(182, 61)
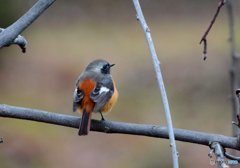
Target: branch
(118, 127)
(19, 40)
(235, 67)
(158, 72)
(11, 34)
(204, 37)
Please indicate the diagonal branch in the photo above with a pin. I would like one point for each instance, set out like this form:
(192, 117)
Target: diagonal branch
(9, 35)
(204, 37)
(118, 127)
(162, 89)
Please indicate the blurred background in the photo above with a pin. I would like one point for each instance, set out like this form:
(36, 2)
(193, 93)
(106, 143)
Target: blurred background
(69, 35)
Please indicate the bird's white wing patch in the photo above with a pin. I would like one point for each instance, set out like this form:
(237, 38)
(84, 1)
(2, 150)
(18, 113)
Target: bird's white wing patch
(103, 89)
(75, 93)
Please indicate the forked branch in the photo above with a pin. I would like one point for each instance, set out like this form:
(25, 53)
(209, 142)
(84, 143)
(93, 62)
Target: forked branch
(19, 40)
(204, 37)
(10, 35)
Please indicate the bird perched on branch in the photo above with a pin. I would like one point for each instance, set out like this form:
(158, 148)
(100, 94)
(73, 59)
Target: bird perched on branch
(95, 92)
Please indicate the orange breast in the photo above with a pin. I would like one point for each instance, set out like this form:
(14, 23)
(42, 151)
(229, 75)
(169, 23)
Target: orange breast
(87, 87)
(112, 101)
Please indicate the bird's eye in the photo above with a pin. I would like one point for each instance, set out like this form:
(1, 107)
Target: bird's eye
(106, 66)
(106, 69)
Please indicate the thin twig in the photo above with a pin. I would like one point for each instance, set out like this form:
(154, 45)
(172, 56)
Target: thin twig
(156, 63)
(10, 34)
(204, 37)
(118, 127)
(20, 41)
(219, 154)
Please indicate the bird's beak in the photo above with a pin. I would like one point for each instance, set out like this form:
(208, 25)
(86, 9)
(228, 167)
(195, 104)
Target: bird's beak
(112, 65)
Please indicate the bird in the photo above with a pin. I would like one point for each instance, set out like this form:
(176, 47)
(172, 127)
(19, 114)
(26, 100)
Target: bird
(95, 91)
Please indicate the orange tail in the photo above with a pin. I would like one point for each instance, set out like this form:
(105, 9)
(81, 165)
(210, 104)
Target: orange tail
(85, 124)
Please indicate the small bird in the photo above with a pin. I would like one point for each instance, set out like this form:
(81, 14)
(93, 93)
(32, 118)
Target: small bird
(95, 91)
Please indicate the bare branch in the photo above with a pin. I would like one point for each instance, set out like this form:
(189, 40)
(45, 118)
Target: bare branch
(20, 41)
(156, 63)
(235, 67)
(118, 127)
(11, 34)
(204, 37)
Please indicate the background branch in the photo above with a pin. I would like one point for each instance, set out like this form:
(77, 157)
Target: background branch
(10, 34)
(118, 127)
(162, 89)
(204, 37)
(235, 66)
